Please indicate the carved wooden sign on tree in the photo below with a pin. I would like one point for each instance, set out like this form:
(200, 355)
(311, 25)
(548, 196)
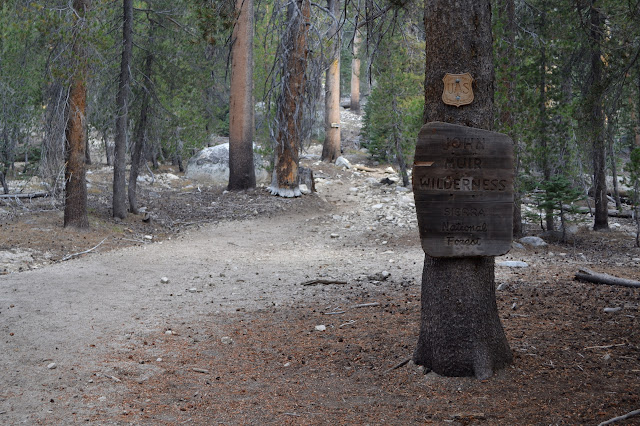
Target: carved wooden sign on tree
(463, 186)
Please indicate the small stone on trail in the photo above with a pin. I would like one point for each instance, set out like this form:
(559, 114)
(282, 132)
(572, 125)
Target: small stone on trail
(168, 332)
(226, 340)
(164, 280)
(335, 236)
(159, 360)
(502, 287)
(612, 310)
(52, 366)
(148, 237)
(321, 327)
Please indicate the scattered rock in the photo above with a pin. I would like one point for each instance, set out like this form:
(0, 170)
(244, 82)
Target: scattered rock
(343, 162)
(533, 241)
(513, 264)
(164, 280)
(304, 189)
(52, 366)
(321, 327)
(226, 340)
(612, 310)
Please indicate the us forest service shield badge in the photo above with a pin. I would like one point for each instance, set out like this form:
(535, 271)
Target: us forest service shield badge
(458, 89)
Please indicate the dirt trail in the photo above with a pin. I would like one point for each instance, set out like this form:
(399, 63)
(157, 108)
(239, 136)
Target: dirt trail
(78, 314)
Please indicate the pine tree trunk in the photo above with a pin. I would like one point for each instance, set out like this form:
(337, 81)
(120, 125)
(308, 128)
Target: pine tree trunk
(140, 132)
(331, 147)
(460, 330)
(242, 173)
(75, 200)
(122, 120)
(290, 103)
(601, 220)
(355, 75)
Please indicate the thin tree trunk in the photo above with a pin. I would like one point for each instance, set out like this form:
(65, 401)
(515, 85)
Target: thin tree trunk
(290, 103)
(506, 10)
(3, 182)
(355, 74)
(331, 147)
(397, 134)
(75, 200)
(140, 132)
(242, 173)
(544, 123)
(601, 220)
(460, 330)
(614, 166)
(122, 120)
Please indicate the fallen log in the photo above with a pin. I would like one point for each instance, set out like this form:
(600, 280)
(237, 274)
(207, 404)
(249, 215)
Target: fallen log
(624, 214)
(32, 195)
(599, 278)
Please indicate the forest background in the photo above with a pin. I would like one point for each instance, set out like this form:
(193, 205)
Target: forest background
(567, 85)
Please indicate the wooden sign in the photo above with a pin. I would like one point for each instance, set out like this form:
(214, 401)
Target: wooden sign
(458, 89)
(463, 187)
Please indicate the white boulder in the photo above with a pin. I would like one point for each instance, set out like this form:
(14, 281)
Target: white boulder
(211, 165)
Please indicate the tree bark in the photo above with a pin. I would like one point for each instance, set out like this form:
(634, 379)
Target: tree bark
(460, 330)
(242, 173)
(290, 102)
(331, 147)
(122, 120)
(140, 132)
(355, 74)
(601, 220)
(75, 200)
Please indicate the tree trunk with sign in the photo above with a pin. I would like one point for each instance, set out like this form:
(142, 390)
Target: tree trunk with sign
(460, 330)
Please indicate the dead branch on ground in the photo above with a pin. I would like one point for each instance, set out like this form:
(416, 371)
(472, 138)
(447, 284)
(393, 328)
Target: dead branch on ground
(599, 278)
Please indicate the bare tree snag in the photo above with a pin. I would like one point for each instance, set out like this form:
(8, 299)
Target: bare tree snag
(588, 275)
(331, 147)
(242, 173)
(355, 74)
(460, 330)
(75, 199)
(122, 119)
(291, 101)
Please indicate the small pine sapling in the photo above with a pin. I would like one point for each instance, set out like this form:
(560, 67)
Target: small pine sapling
(559, 195)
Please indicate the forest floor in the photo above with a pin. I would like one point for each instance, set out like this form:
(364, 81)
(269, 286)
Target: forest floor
(214, 312)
